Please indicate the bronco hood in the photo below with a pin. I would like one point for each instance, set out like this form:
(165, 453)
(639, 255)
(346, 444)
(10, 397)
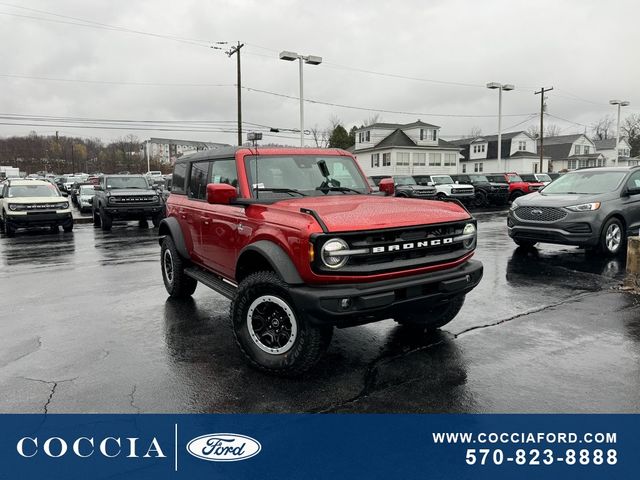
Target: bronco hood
(345, 213)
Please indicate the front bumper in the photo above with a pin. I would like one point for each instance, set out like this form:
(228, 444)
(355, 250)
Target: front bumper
(38, 219)
(133, 212)
(577, 229)
(370, 302)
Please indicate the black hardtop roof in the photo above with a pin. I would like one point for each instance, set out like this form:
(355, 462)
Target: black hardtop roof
(227, 152)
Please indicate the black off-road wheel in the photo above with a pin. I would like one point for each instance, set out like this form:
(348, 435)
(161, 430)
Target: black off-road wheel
(96, 218)
(515, 194)
(105, 220)
(480, 199)
(271, 334)
(9, 229)
(434, 318)
(68, 227)
(178, 285)
(156, 219)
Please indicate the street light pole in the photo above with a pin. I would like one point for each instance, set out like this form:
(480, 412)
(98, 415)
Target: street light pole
(500, 87)
(619, 103)
(311, 60)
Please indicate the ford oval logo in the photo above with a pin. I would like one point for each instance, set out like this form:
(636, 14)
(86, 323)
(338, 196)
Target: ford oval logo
(224, 447)
(536, 212)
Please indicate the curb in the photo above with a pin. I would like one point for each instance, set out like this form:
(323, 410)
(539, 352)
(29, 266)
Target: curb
(82, 220)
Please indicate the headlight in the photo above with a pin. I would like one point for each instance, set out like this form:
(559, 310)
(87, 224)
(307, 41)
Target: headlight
(513, 206)
(470, 233)
(13, 207)
(584, 207)
(331, 253)
(112, 200)
(63, 206)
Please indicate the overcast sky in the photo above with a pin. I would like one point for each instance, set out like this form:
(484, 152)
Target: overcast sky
(586, 49)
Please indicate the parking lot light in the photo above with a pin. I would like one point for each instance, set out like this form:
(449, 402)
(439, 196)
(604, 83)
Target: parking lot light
(500, 87)
(619, 103)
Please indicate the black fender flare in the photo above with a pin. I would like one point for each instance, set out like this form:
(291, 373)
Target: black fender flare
(170, 227)
(277, 258)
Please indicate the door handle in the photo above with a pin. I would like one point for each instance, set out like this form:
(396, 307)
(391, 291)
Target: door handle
(205, 220)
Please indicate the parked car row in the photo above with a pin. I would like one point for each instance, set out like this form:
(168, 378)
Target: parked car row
(40, 203)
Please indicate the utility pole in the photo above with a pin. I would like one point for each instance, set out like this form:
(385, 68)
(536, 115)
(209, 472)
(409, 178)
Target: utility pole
(542, 99)
(236, 50)
(73, 163)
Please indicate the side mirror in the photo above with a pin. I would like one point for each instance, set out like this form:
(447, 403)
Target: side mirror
(221, 193)
(387, 186)
(154, 187)
(65, 194)
(633, 191)
(457, 182)
(431, 184)
(97, 187)
(91, 200)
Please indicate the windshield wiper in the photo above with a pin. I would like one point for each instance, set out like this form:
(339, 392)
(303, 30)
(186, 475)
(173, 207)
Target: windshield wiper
(290, 191)
(326, 189)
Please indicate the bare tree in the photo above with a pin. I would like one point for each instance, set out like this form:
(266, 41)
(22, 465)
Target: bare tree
(550, 130)
(630, 129)
(375, 118)
(320, 136)
(603, 128)
(475, 132)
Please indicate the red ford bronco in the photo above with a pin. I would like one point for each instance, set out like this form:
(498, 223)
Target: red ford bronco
(297, 241)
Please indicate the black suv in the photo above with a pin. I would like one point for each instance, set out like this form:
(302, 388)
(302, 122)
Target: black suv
(596, 208)
(406, 186)
(126, 197)
(487, 193)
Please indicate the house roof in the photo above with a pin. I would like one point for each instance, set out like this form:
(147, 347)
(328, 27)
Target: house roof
(607, 143)
(561, 139)
(557, 151)
(394, 126)
(489, 138)
(492, 145)
(400, 139)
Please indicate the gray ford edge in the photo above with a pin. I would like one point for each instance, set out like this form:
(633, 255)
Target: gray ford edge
(594, 208)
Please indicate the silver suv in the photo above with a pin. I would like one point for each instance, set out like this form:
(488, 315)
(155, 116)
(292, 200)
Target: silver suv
(595, 208)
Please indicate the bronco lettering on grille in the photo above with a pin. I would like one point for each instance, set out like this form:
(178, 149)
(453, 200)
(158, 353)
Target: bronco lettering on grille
(412, 245)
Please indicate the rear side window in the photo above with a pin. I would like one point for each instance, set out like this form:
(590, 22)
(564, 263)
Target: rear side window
(198, 180)
(179, 174)
(224, 171)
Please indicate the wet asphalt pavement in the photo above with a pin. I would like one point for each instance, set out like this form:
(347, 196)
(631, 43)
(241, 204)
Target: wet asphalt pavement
(86, 326)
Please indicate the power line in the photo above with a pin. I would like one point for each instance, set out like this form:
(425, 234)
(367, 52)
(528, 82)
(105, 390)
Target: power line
(113, 82)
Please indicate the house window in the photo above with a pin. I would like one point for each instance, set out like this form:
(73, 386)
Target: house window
(464, 168)
(600, 162)
(422, 134)
(478, 167)
(582, 163)
(571, 164)
(386, 159)
(434, 135)
(359, 137)
(375, 160)
(420, 159)
(402, 159)
(483, 146)
(435, 159)
(368, 135)
(449, 159)
(522, 146)
(577, 150)
(475, 149)
(586, 149)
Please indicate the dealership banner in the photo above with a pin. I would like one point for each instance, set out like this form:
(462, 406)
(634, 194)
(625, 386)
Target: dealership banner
(319, 446)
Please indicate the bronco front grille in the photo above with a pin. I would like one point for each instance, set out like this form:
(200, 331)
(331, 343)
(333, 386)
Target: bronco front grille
(539, 214)
(398, 249)
(462, 190)
(136, 199)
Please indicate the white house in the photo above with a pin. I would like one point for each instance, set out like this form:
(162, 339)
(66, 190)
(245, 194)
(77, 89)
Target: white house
(607, 148)
(518, 154)
(569, 152)
(410, 149)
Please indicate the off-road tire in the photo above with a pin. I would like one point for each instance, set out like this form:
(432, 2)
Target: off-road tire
(156, 219)
(105, 220)
(178, 284)
(310, 342)
(96, 218)
(480, 199)
(9, 229)
(433, 318)
(516, 194)
(67, 228)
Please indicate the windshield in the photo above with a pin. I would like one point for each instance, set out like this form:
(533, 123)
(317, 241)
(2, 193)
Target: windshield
(127, 182)
(588, 182)
(442, 179)
(87, 190)
(543, 177)
(33, 191)
(404, 180)
(514, 178)
(303, 173)
(478, 178)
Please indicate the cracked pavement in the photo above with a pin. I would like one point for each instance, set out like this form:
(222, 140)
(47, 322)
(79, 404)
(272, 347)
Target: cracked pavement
(86, 326)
